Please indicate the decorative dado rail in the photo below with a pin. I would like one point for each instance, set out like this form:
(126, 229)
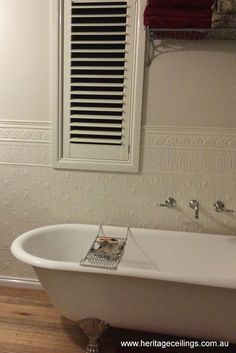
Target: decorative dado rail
(25, 143)
(201, 151)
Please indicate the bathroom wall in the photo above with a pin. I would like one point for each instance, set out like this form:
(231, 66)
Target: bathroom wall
(25, 60)
(192, 84)
(188, 140)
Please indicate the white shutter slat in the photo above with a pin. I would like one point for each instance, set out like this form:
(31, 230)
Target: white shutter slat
(98, 42)
(103, 59)
(100, 6)
(96, 76)
(98, 84)
(95, 117)
(107, 68)
(98, 16)
(98, 93)
(98, 109)
(90, 132)
(99, 25)
(96, 125)
(112, 51)
(95, 141)
(96, 33)
(88, 100)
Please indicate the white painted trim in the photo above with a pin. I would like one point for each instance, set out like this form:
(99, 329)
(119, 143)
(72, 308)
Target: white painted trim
(16, 282)
(26, 164)
(25, 124)
(47, 125)
(162, 137)
(138, 85)
(25, 140)
(31, 132)
(176, 130)
(55, 91)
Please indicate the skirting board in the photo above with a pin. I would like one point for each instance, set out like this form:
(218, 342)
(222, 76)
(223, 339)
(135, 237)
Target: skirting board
(20, 282)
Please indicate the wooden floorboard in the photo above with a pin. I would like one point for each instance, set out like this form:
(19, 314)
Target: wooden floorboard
(29, 324)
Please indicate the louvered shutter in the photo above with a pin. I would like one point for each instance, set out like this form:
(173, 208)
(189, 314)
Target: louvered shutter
(98, 79)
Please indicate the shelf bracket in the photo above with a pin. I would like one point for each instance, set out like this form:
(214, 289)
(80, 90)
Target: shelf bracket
(150, 49)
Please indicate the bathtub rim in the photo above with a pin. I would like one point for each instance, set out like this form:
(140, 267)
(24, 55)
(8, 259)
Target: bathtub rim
(206, 280)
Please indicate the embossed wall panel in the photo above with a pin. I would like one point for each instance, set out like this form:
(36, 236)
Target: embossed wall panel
(182, 163)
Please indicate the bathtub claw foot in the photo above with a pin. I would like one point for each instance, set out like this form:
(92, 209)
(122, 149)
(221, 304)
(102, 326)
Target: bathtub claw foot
(92, 348)
(94, 329)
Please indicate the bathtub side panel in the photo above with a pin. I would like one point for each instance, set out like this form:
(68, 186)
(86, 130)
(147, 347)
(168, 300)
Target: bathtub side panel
(143, 304)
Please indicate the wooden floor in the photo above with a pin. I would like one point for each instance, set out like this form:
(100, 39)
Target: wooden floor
(29, 324)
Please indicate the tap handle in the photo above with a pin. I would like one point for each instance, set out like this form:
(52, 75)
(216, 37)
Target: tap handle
(193, 204)
(219, 206)
(170, 203)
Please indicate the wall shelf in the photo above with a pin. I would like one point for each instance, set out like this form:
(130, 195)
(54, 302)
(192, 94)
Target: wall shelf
(181, 34)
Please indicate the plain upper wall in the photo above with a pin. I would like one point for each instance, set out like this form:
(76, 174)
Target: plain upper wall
(194, 86)
(25, 60)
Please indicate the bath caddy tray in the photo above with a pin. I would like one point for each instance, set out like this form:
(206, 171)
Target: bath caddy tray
(106, 251)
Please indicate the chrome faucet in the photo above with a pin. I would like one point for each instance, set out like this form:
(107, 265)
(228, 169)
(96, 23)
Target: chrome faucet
(194, 204)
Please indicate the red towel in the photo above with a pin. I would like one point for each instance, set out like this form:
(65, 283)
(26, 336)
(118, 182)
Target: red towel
(172, 18)
(199, 4)
(178, 14)
(176, 22)
(199, 14)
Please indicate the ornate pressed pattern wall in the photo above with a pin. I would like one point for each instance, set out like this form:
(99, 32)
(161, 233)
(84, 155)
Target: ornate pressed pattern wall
(184, 163)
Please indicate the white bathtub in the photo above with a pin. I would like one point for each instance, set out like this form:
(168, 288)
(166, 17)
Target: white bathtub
(168, 282)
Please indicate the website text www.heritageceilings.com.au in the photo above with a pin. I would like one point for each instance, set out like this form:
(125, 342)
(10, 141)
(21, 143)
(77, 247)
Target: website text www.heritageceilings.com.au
(182, 343)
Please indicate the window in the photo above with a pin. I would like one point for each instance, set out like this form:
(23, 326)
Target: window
(101, 61)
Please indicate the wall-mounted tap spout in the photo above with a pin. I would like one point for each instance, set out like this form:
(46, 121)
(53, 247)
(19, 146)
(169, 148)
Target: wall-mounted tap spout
(194, 204)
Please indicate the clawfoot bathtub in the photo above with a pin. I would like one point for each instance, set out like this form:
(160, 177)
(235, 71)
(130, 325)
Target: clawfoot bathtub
(167, 282)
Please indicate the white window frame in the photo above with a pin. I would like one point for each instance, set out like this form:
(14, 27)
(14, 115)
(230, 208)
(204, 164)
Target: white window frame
(58, 160)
